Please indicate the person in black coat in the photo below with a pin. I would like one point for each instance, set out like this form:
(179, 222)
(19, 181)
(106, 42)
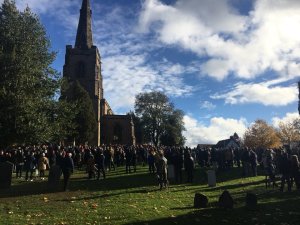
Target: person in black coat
(52, 158)
(30, 165)
(178, 165)
(19, 162)
(67, 167)
(100, 163)
(285, 168)
(128, 156)
(190, 167)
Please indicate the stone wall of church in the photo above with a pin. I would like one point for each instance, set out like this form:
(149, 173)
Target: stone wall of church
(117, 129)
(84, 65)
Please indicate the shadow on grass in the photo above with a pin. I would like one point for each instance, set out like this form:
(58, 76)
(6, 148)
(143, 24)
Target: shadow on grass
(273, 208)
(29, 188)
(111, 183)
(119, 180)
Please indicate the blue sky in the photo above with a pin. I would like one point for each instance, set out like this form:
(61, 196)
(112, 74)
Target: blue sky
(225, 63)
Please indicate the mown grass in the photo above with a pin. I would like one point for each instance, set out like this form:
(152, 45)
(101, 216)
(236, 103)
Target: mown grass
(135, 199)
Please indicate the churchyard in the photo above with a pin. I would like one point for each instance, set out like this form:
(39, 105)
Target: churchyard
(135, 199)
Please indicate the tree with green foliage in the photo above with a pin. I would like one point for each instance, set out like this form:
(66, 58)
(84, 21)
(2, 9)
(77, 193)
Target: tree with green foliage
(174, 127)
(161, 123)
(85, 119)
(28, 84)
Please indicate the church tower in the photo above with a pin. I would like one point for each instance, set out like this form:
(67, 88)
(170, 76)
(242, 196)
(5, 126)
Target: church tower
(83, 62)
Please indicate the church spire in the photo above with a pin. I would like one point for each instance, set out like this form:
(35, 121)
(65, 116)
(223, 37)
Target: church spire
(84, 37)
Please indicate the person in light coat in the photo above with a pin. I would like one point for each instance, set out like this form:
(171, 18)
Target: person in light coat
(43, 164)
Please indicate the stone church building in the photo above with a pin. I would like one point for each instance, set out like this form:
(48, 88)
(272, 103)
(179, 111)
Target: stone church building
(83, 64)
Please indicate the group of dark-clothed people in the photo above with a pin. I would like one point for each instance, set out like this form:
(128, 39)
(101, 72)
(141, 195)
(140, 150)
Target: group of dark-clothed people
(99, 160)
(32, 159)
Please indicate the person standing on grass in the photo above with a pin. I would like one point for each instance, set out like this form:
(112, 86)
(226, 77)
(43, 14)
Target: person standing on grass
(295, 171)
(67, 167)
(19, 161)
(269, 167)
(253, 162)
(43, 164)
(285, 170)
(29, 166)
(178, 165)
(128, 157)
(52, 158)
(246, 162)
(91, 166)
(162, 170)
(133, 158)
(190, 167)
(100, 162)
(111, 158)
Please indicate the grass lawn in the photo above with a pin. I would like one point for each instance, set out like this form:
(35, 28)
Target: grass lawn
(135, 199)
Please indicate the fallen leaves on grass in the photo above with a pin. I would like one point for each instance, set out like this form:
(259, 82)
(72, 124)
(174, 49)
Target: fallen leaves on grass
(94, 205)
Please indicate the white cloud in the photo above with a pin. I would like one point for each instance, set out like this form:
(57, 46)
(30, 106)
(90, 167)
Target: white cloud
(265, 93)
(128, 75)
(207, 105)
(289, 117)
(267, 38)
(127, 70)
(219, 128)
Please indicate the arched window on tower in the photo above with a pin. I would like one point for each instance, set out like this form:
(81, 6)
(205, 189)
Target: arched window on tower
(80, 69)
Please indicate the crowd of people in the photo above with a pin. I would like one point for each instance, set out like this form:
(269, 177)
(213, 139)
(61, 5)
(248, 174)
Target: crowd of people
(100, 160)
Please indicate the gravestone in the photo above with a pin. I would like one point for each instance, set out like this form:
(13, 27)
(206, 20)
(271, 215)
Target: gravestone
(211, 178)
(251, 201)
(6, 170)
(226, 201)
(54, 176)
(171, 172)
(200, 201)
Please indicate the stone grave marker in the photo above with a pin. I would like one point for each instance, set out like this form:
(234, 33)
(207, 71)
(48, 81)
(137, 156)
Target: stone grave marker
(200, 201)
(225, 200)
(6, 170)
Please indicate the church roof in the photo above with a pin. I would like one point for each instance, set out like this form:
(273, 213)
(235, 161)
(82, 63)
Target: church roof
(84, 37)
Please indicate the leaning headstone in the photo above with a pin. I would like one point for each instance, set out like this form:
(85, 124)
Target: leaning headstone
(211, 178)
(200, 201)
(226, 201)
(251, 201)
(54, 177)
(6, 170)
